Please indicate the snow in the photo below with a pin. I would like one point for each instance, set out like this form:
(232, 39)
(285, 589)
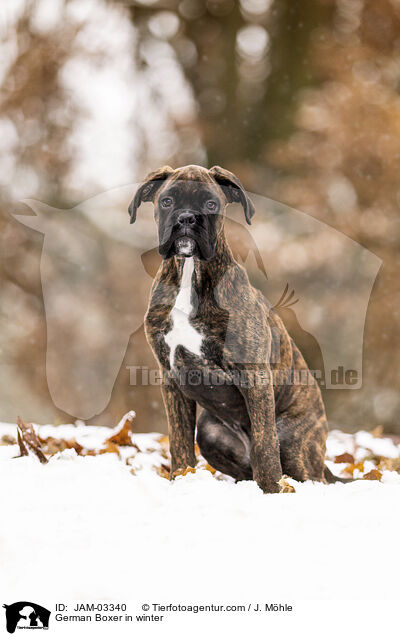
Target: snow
(102, 532)
(360, 445)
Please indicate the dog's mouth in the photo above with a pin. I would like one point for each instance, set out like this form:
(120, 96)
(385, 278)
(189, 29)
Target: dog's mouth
(184, 246)
(187, 244)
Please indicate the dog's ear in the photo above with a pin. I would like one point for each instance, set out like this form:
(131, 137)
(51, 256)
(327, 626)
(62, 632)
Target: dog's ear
(233, 190)
(147, 190)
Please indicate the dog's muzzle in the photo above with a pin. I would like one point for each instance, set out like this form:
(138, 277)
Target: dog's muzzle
(188, 235)
(185, 245)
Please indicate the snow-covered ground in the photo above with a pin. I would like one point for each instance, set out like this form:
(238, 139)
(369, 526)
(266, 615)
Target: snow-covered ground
(109, 526)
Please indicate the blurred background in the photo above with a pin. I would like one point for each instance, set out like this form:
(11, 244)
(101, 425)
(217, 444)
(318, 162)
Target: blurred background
(299, 98)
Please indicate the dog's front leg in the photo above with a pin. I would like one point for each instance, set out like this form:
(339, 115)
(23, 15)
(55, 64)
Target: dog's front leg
(264, 451)
(181, 414)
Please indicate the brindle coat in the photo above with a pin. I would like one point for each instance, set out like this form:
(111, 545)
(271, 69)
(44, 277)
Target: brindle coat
(256, 422)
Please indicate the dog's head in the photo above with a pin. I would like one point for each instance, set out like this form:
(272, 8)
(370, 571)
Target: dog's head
(189, 206)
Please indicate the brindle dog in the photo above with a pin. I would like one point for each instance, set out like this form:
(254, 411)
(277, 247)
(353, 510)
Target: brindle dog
(221, 345)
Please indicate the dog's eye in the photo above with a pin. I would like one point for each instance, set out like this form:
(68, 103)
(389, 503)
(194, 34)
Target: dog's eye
(211, 205)
(166, 202)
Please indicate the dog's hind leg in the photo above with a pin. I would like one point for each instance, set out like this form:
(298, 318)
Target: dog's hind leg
(302, 447)
(225, 449)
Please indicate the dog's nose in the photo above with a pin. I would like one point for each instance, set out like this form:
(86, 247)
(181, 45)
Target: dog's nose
(186, 218)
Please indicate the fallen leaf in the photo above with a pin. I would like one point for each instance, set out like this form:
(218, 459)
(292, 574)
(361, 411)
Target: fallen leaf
(285, 486)
(377, 431)
(183, 471)
(55, 445)
(28, 440)
(210, 468)
(110, 447)
(162, 471)
(345, 458)
(352, 467)
(164, 443)
(8, 440)
(373, 475)
(372, 458)
(22, 448)
(122, 434)
(387, 463)
(129, 459)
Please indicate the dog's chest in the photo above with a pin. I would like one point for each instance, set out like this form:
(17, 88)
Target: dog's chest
(182, 332)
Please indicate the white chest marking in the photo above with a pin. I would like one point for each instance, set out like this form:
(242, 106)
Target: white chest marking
(182, 332)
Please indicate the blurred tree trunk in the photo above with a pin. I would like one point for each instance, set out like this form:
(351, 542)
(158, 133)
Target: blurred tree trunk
(237, 117)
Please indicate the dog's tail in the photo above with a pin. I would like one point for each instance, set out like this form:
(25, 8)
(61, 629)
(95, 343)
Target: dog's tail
(332, 479)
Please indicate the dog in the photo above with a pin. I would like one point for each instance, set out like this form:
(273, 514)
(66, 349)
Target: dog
(222, 346)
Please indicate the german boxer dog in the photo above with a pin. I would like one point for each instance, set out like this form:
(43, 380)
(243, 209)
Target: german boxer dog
(220, 344)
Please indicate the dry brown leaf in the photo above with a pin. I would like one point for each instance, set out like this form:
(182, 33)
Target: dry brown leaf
(183, 471)
(285, 486)
(210, 468)
(164, 443)
(196, 450)
(27, 439)
(72, 443)
(110, 447)
(377, 431)
(387, 463)
(373, 475)
(129, 459)
(373, 458)
(163, 471)
(122, 434)
(345, 458)
(55, 445)
(352, 467)
(22, 448)
(8, 440)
